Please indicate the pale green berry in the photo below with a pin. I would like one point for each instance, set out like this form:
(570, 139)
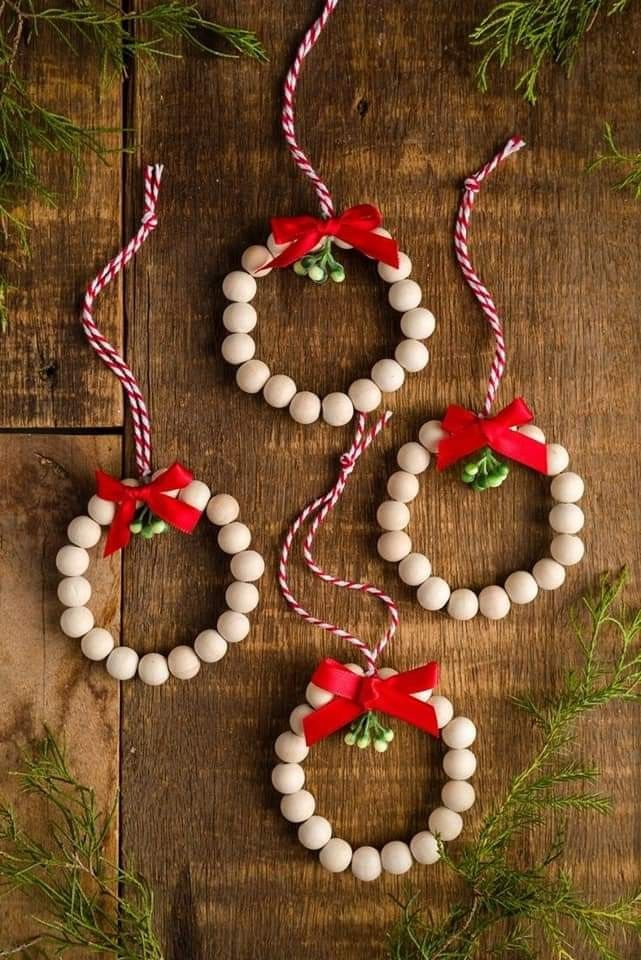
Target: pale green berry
(337, 274)
(147, 532)
(300, 269)
(136, 526)
(158, 526)
(350, 739)
(363, 742)
(316, 273)
(380, 746)
(389, 735)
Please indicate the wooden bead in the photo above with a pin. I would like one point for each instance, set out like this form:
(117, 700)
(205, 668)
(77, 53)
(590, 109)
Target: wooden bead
(355, 668)
(459, 733)
(414, 569)
(84, 532)
(338, 409)
(153, 669)
(234, 537)
(241, 597)
(533, 432)
(290, 748)
(239, 317)
(336, 855)
(424, 847)
(74, 592)
(388, 375)
(288, 777)
(305, 407)
(396, 857)
(446, 824)
(412, 355)
(297, 807)
(567, 487)
(233, 626)
(521, 587)
(197, 494)
(393, 545)
(494, 602)
(76, 621)
(297, 716)
(394, 274)
(431, 434)
(458, 795)
(183, 663)
(122, 663)
(238, 348)
(254, 258)
(102, 511)
(444, 710)
(365, 395)
(404, 295)
(566, 518)
(459, 764)
(210, 646)
(248, 565)
(402, 486)
(275, 248)
(252, 376)
(418, 324)
(413, 458)
(366, 863)
(463, 604)
(548, 574)
(97, 644)
(393, 515)
(558, 459)
(239, 286)
(316, 696)
(433, 594)
(167, 493)
(279, 391)
(386, 672)
(222, 509)
(72, 561)
(315, 833)
(567, 549)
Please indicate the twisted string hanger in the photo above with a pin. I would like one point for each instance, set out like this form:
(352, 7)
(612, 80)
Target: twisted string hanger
(471, 188)
(107, 353)
(318, 511)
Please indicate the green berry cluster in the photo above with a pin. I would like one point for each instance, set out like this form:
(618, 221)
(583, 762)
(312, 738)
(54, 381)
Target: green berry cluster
(321, 265)
(146, 524)
(368, 729)
(486, 471)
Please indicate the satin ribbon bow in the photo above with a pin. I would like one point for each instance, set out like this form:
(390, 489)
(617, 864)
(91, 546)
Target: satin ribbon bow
(355, 695)
(154, 494)
(469, 432)
(355, 226)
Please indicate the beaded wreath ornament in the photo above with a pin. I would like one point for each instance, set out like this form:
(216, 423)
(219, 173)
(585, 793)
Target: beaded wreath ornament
(482, 441)
(308, 244)
(359, 700)
(146, 507)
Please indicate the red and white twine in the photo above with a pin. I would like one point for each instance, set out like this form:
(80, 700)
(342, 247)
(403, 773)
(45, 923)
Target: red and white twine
(471, 188)
(107, 353)
(319, 509)
(301, 160)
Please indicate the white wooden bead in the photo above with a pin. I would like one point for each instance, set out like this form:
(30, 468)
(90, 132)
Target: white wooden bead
(404, 295)
(402, 486)
(424, 847)
(315, 833)
(279, 391)
(153, 669)
(532, 431)
(393, 545)
(567, 487)
(446, 824)
(237, 348)
(463, 604)
(341, 243)
(388, 375)
(458, 795)
(84, 532)
(197, 494)
(248, 565)
(122, 663)
(549, 574)
(239, 286)
(433, 593)
(394, 274)
(393, 515)
(74, 591)
(338, 409)
(557, 459)
(288, 777)
(253, 259)
(210, 646)
(459, 733)
(418, 324)
(521, 587)
(366, 863)
(494, 602)
(241, 597)
(239, 317)
(298, 806)
(297, 716)
(234, 537)
(386, 672)
(102, 511)
(382, 232)
(431, 434)
(305, 407)
(414, 569)
(365, 395)
(459, 764)
(412, 355)
(566, 518)
(222, 509)
(273, 247)
(290, 747)
(252, 376)
(413, 457)
(76, 621)
(355, 668)
(336, 855)
(396, 857)
(567, 549)
(168, 493)
(72, 561)
(183, 663)
(97, 644)
(443, 709)
(233, 626)
(316, 696)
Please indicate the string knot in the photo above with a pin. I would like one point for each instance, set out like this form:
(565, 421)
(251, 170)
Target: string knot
(472, 185)
(347, 462)
(149, 219)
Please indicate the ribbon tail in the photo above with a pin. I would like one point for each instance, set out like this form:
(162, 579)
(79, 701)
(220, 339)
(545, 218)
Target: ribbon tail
(411, 711)
(516, 446)
(119, 533)
(328, 719)
(178, 514)
(371, 244)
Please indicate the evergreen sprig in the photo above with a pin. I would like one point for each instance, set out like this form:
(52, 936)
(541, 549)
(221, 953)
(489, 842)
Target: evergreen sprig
(629, 163)
(510, 908)
(87, 901)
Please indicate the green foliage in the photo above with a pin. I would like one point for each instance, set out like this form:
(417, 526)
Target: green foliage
(509, 908)
(629, 163)
(89, 902)
(538, 31)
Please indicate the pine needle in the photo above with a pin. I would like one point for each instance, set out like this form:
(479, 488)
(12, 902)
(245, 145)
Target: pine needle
(629, 163)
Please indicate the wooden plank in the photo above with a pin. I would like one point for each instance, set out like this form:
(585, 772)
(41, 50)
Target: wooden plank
(44, 678)
(389, 115)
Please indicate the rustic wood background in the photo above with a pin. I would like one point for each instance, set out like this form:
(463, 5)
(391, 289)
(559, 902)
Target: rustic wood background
(389, 111)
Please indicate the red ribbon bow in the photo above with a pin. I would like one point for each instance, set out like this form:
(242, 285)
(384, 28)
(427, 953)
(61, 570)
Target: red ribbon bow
(355, 695)
(470, 432)
(355, 226)
(154, 494)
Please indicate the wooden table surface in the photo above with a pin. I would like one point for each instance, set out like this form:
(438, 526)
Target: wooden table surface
(390, 113)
